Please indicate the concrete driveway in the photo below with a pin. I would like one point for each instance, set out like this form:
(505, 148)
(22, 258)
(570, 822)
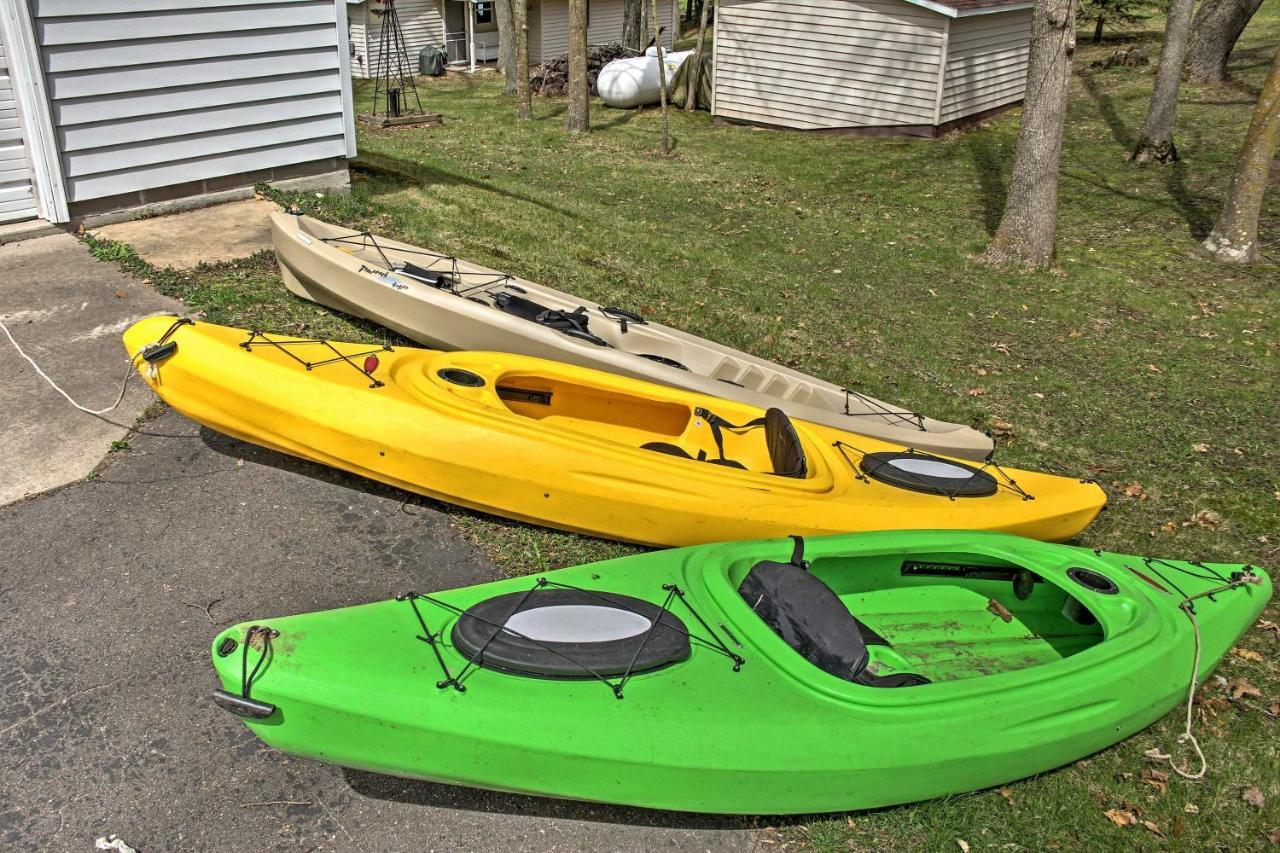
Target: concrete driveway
(112, 590)
(66, 310)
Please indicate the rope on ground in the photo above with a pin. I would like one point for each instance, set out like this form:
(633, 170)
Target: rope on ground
(1187, 736)
(124, 386)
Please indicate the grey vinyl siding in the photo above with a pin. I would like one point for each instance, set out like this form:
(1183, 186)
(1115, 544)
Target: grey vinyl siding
(145, 95)
(828, 63)
(17, 196)
(604, 25)
(986, 63)
(420, 21)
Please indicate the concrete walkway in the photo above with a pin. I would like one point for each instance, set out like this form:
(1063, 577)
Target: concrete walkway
(210, 235)
(114, 589)
(67, 311)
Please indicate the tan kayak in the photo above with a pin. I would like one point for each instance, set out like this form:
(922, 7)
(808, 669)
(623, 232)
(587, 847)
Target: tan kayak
(448, 303)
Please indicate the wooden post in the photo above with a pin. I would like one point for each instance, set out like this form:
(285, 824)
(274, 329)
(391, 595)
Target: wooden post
(664, 147)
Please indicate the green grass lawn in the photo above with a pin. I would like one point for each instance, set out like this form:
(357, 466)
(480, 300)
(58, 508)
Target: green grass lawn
(1136, 361)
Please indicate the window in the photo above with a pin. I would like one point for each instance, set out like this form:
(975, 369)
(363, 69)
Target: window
(484, 13)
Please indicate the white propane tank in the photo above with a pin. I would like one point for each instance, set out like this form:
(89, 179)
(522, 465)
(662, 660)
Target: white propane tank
(633, 81)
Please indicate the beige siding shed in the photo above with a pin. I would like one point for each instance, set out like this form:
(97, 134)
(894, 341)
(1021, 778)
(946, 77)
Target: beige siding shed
(549, 25)
(904, 66)
(421, 22)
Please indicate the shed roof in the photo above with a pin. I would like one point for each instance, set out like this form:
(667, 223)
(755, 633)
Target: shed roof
(965, 8)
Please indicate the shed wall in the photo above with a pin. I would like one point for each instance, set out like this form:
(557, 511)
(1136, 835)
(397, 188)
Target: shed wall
(986, 63)
(828, 63)
(604, 25)
(420, 21)
(175, 91)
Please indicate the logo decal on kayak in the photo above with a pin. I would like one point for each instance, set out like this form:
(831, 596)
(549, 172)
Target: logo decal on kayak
(385, 277)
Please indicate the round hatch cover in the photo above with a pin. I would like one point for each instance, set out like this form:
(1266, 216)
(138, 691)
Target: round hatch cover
(458, 376)
(920, 472)
(570, 634)
(1091, 580)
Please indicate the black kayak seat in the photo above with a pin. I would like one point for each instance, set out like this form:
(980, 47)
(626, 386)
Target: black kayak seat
(677, 450)
(786, 454)
(809, 617)
(574, 323)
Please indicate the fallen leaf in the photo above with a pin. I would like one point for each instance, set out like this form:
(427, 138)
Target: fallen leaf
(1007, 793)
(1038, 395)
(851, 822)
(963, 845)
(1075, 333)
(1157, 779)
(1268, 625)
(1274, 836)
(976, 392)
(1274, 710)
(1135, 490)
(1169, 527)
(1253, 797)
(1191, 808)
(1239, 688)
(1000, 610)
(120, 294)
(1121, 817)
(1003, 349)
(1152, 828)
(1000, 427)
(1200, 447)
(1154, 369)
(1207, 519)
(1247, 654)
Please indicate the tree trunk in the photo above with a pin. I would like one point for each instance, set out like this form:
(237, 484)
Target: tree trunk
(663, 148)
(1217, 26)
(1025, 233)
(520, 23)
(506, 44)
(577, 118)
(1235, 238)
(633, 25)
(691, 100)
(1097, 30)
(1156, 140)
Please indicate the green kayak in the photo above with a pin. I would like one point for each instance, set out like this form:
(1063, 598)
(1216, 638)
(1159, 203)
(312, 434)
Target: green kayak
(842, 672)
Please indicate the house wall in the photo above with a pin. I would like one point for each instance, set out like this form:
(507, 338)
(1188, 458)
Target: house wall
(604, 25)
(420, 21)
(828, 63)
(180, 92)
(986, 63)
(17, 195)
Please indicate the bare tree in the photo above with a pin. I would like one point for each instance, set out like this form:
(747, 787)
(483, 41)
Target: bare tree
(506, 44)
(1235, 238)
(577, 118)
(1156, 140)
(1217, 26)
(520, 23)
(633, 26)
(1025, 233)
(691, 100)
(655, 26)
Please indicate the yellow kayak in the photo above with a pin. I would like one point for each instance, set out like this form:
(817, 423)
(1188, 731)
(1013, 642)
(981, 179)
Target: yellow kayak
(580, 449)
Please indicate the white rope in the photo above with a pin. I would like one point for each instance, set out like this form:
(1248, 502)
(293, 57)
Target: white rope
(1187, 736)
(123, 385)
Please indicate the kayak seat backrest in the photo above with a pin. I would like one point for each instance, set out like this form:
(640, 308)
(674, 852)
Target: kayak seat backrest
(809, 617)
(573, 323)
(785, 450)
(435, 278)
(677, 450)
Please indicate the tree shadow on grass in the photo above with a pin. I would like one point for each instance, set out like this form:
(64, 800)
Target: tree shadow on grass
(421, 175)
(1107, 110)
(1199, 221)
(989, 158)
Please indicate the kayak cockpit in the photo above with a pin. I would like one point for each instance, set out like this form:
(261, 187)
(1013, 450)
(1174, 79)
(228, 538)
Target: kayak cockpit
(885, 620)
(768, 444)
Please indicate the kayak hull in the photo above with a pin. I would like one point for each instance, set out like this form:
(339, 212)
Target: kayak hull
(578, 465)
(355, 278)
(358, 688)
